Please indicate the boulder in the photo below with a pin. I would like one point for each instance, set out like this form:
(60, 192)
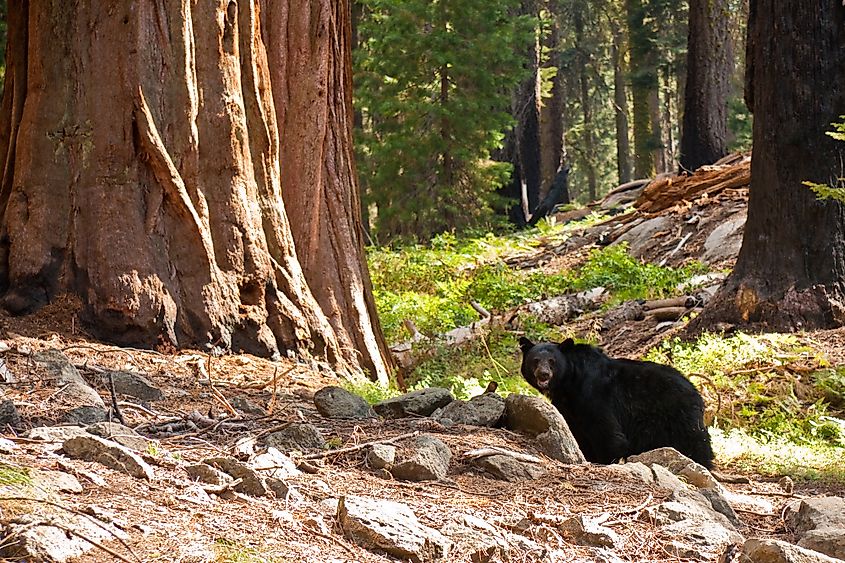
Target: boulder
(420, 403)
(819, 524)
(134, 385)
(507, 468)
(73, 387)
(336, 402)
(482, 410)
(775, 551)
(539, 418)
(391, 527)
(425, 458)
(297, 436)
(121, 434)
(111, 454)
(380, 456)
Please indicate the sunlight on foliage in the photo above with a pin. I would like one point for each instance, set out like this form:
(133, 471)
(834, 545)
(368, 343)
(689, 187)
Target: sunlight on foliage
(767, 385)
(738, 449)
(14, 476)
(433, 286)
(228, 551)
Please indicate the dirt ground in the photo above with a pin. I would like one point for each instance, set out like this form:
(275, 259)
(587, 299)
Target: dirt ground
(165, 523)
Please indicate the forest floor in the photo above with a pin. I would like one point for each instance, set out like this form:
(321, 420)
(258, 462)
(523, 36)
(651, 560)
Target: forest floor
(165, 519)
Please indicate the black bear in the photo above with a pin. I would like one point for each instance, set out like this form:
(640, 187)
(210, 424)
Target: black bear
(616, 407)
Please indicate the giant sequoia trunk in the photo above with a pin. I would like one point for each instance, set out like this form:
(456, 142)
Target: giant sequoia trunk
(791, 268)
(704, 136)
(141, 171)
(310, 61)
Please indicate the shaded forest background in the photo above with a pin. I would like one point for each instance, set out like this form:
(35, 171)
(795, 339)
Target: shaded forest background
(463, 106)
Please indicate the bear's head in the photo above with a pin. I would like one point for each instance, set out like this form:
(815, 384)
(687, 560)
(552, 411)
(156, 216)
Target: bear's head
(544, 362)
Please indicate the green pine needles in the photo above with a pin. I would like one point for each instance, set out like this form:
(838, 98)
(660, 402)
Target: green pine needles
(433, 81)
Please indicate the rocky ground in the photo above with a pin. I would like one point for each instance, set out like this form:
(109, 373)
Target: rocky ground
(236, 458)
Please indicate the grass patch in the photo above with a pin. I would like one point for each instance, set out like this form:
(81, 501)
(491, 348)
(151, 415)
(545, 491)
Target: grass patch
(434, 285)
(228, 551)
(738, 449)
(773, 411)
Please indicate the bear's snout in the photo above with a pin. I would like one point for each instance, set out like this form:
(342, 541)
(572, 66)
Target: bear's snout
(543, 377)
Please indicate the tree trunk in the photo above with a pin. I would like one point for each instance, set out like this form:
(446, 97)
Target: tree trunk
(586, 107)
(551, 113)
(527, 173)
(643, 88)
(704, 136)
(790, 270)
(310, 61)
(155, 194)
(620, 105)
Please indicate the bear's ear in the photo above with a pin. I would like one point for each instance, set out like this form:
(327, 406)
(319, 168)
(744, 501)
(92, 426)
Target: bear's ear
(525, 344)
(567, 344)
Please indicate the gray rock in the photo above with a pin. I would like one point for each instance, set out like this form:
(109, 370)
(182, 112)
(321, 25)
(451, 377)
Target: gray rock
(757, 550)
(55, 433)
(676, 462)
(134, 385)
(9, 414)
(830, 541)
(391, 527)
(693, 473)
(815, 513)
(298, 436)
(699, 539)
(633, 470)
(85, 415)
(67, 378)
(336, 402)
(252, 484)
(27, 538)
(584, 531)
(539, 418)
(483, 410)
(641, 238)
(669, 512)
(283, 490)
(56, 481)
(381, 455)
(420, 403)
(476, 539)
(424, 458)
(207, 474)
(246, 406)
(725, 240)
(121, 434)
(819, 524)
(111, 454)
(7, 446)
(275, 464)
(507, 468)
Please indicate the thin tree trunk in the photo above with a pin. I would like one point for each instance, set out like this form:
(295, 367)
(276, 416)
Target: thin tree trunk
(710, 70)
(620, 105)
(586, 108)
(643, 88)
(658, 143)
(551, 117)
(525, 107)
(789, 273)
(310, 55)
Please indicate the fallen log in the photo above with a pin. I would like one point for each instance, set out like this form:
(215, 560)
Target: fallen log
(554, 311)
(670, 313)
(667, 192)
(684, 301)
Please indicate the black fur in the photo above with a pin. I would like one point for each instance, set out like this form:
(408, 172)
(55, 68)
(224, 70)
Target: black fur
(615, 407)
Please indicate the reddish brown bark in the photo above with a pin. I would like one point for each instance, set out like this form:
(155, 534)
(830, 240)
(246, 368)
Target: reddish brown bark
(310, 54)
(143, 174)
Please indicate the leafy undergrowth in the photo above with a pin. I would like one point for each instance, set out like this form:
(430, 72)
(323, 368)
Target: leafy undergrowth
(776, 407)
(433, 286)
